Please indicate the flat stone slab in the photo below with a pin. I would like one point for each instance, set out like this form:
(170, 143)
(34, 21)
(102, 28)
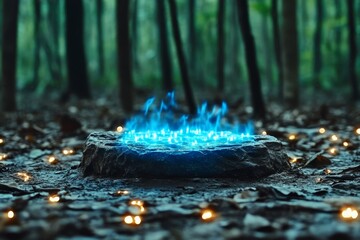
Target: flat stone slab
(106, 156)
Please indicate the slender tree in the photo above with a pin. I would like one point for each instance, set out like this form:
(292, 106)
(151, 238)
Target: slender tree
(192, 39)
(290, 53)
(220, 42)
(251, 61)
(181, 58)
(124, 54)
(10, 12)
(339, 61)
(267, 44)
(100, 36)
(54, 36)
(277, 44)
(317, 64)
(166, 66)
(234, 48)
(75, 52)
(37, 37)
(134, 33)
(352, 49)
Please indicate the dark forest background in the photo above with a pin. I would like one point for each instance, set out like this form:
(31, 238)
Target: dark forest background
(261, 51)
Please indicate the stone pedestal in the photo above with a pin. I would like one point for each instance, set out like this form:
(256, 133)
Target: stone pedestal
(106, 156)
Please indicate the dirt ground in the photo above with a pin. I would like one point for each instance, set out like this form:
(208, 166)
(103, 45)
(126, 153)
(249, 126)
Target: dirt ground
(307, 202)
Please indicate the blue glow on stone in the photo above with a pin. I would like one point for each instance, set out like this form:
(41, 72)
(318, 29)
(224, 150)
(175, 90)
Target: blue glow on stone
(160, 126)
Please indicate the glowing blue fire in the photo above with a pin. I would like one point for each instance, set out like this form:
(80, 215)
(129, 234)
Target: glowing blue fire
(160, 126)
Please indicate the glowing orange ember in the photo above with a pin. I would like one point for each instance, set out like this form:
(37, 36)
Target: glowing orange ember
(52, 160)
(68, 151)
(3, 156)
(122, 192)
(292, 137)
(334, 138)
(10, 214)
(345, 144)
(357, 131)
(349, 213)
(138, 203)
(322, 130)
(119, 129)
(333, 151)
(207, 215)
(54, 198)
(2, 141)
(24, 176)
(132, 220)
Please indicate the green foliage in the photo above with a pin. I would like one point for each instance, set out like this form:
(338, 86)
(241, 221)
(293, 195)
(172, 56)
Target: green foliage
(146, 67)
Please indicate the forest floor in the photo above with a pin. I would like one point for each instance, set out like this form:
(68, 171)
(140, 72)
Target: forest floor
(306, 202)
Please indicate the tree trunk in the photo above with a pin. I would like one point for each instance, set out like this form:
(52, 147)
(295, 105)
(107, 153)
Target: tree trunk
(251, 61)
(234, 49)
(290, 53)
(9, 41)
(192, 40)
(166, 66)
(75, 52)
(352, 49)
(277, 44)
(54, 19)
(181, 58)
(267, 53)
(339, 61)
(220, 43)
(317, 64)
(124, 54)
(134, 34)
(37, 37)
(100, 36)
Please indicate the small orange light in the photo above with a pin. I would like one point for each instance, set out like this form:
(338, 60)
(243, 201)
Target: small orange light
(345, 144)
(132, 220)
(292, 137)
(349, 213)
(68, 151)
(3, 156)
(10, 214)
(24, 176)
(207, 215)
(293, 160)
(357, 131)
(119, 129)
(138, 203)
(263, 133)
(322, 130)
(2, 141)
(327, 171)
(333, 151)
(122, 192)
(334, 138)
(54, 198)
(52, 160)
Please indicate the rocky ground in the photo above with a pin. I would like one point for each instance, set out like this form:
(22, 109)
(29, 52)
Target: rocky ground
(44, 196)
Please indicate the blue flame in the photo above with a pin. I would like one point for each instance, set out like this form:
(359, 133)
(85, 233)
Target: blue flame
(159, 126)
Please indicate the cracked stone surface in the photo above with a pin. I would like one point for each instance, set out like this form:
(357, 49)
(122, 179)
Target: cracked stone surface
(105, 156)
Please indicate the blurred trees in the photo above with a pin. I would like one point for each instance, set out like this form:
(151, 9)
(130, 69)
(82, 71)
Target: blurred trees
(317, 57)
